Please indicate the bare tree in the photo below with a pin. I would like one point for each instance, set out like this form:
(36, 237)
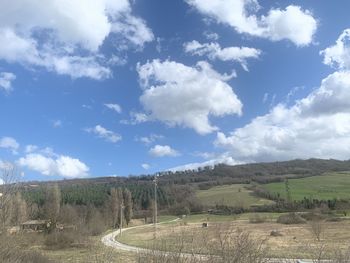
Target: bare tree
(116, 204)
(19, 209)
(9, 177)
(52, 203)
(316, 227)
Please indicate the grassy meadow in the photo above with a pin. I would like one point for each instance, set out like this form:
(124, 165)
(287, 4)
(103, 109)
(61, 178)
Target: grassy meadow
(323, 187)
(230, 195)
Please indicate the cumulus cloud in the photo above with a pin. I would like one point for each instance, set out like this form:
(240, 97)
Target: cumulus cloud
(177, 94)
(31, 148)
(54, 35)
(136, 118)
(214, 51)
(62, 165)
(105, 134)
(147, 140)
(292, 23)
(163, 150)
(9, 143)
(315, 126)
(6, 79)
(211, 35)
(145, 166)
(221, 159)
(338, 55)
(114, 106)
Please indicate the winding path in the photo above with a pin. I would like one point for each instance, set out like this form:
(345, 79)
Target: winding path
(110, 241)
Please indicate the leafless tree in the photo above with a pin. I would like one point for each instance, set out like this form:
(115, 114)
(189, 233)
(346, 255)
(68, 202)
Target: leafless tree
(19, 209)
(52, 203)
(316, 227)
(9, 178)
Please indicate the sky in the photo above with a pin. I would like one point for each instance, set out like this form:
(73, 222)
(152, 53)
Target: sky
(116, 87)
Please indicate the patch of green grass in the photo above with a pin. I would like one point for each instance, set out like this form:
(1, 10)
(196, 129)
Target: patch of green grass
(323, 187)
(200, 218)
(230, 195)
(165, 218)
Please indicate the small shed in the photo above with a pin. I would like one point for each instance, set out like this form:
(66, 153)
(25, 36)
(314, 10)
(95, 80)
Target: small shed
(36, 225)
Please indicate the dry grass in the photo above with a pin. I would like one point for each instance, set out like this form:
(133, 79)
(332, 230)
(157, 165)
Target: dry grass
(294, 241)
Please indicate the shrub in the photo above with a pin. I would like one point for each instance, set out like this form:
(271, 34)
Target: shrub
(12, 252)
(309, 216)
(291, 218)
(257, 218)
(275, 233)
(60, 240)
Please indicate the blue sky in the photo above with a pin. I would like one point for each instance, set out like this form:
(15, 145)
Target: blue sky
(98, 88)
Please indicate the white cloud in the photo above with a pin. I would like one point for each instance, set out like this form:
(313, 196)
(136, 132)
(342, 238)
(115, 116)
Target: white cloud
(31, 148)
(214, 51)
(211, 35)
(102, 132)
(114, 106)
(9, 143)
(338, 55)
(134, 30)
(292, 23)
(265, 97)
(204, 155)
(6, 79)
(181, 95)
(147, 140)
(53, 35)
(57, 123)
(136, 118)
(222, 159)
(145, 166)
(163, 150)
(6, 165)
(316, 126)
(64, 166)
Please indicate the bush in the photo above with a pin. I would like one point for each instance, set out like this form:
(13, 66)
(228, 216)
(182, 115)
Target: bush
(309, 216)
(291, 218)
(12, 252)
(275, 233)
(257, 218)
(60, 240)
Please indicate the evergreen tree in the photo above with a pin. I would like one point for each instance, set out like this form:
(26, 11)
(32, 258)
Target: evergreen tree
(128, 206)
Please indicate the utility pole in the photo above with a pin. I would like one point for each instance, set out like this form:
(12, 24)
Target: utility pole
(155, 206)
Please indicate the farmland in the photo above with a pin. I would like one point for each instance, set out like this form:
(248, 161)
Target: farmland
(323, 187)
(230, 195)
(292, 241)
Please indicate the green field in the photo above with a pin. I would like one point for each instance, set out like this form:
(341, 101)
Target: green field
(323, 187)
(230, 195)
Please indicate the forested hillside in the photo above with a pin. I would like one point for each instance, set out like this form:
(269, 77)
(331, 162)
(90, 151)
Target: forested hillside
(176, 189)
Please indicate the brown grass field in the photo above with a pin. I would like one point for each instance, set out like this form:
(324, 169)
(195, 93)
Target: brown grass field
(296, 241)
